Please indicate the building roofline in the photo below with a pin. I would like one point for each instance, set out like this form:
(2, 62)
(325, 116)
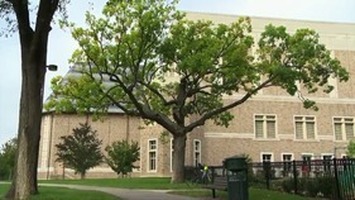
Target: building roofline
(269, 18)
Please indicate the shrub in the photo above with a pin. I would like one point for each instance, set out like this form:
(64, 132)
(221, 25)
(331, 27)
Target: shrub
(326, 184)
(312, 187)
(288, 185)
(122, 155)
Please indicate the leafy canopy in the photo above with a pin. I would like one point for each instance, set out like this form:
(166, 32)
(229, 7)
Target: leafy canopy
(148, 59)
(81, 150)
(121, 156)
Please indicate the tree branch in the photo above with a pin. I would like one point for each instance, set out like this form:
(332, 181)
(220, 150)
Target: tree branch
(23, 20)
(155, 91)
(212, 113)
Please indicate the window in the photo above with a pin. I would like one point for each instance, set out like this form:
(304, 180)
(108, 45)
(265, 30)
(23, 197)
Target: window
(287, 162)
(197, 152)
(266, 157)
(152, 155)
(344, 156)
(327, 162)
(265, 126)
(343, 128)
(307, 157)
(306, 165)
(305, 127)
(171, 153)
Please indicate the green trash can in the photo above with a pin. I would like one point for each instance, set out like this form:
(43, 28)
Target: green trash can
(237, 177)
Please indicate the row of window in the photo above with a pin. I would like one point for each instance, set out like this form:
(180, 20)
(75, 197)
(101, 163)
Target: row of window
(305, 127)
(288, 157)
(306, 157)
(153, 153)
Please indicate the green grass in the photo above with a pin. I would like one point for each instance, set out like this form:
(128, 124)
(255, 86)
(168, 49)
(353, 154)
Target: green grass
(130, 183)
(254, 194)
(57, 193)
(143, 183)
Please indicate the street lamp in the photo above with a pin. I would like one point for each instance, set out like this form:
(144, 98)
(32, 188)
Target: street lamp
(52, 67)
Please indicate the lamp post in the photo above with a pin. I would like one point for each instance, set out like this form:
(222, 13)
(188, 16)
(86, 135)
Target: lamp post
(52, 68)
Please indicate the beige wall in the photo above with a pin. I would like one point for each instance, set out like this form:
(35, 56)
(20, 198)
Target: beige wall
(109, 129)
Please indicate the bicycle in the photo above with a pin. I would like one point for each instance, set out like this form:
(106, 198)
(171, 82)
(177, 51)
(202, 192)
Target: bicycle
(200, 175)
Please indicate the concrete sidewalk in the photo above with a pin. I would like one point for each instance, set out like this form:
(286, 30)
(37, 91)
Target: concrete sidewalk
(127, 194)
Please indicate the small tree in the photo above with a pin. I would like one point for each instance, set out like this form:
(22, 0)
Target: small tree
(121, 156)
(7, 159)
(351, 149)
(80, 151)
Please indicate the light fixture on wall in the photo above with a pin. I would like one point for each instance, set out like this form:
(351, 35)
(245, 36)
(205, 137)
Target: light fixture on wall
(52, 67)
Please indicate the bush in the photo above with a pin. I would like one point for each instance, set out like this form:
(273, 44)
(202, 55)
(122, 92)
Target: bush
(312, 187)
(326, 184)
(122, 155)
(288, 185)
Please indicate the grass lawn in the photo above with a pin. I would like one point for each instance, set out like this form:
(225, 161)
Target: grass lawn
(254, 194)
(185, 189)
(131, 183)
(55, 193)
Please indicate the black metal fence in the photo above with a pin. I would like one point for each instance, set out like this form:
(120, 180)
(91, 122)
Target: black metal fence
(331, 179)
(328, 179)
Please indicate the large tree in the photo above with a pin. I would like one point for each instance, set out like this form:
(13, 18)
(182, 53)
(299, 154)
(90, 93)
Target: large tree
(33, 36)
(128, 55)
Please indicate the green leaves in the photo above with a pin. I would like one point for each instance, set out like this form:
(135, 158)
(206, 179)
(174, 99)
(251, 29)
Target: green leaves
(81, 150)
(122, 155)
(351, 149)
(7, 159)
(148, 60)
(297, 62)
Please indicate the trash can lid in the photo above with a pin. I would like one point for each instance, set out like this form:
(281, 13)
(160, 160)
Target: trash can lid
(236, 157)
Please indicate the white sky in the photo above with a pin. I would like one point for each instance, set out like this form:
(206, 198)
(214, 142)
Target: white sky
(61, 45)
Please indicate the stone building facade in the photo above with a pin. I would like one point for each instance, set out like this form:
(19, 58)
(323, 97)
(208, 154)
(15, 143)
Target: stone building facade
(270, 126)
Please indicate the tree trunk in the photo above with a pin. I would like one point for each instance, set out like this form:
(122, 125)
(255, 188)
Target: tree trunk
(179, 142)
(82, 176)
(25, 177)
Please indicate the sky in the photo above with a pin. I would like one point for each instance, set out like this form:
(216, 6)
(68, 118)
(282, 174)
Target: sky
(61, 45)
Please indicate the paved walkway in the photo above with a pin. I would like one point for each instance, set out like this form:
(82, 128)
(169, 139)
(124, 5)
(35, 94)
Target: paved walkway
(127, 194)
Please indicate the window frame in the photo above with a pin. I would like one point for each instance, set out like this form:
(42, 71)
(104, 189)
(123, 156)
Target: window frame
(156, 155)
(197, 151)
(266, 153)
(304, 127)
(171, 154)
(311, 155)
(327, 164)
(287, 164)
(343, 123)
(265, 126)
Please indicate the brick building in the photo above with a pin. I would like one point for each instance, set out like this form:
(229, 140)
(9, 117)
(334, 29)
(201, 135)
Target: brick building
(270, 126)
